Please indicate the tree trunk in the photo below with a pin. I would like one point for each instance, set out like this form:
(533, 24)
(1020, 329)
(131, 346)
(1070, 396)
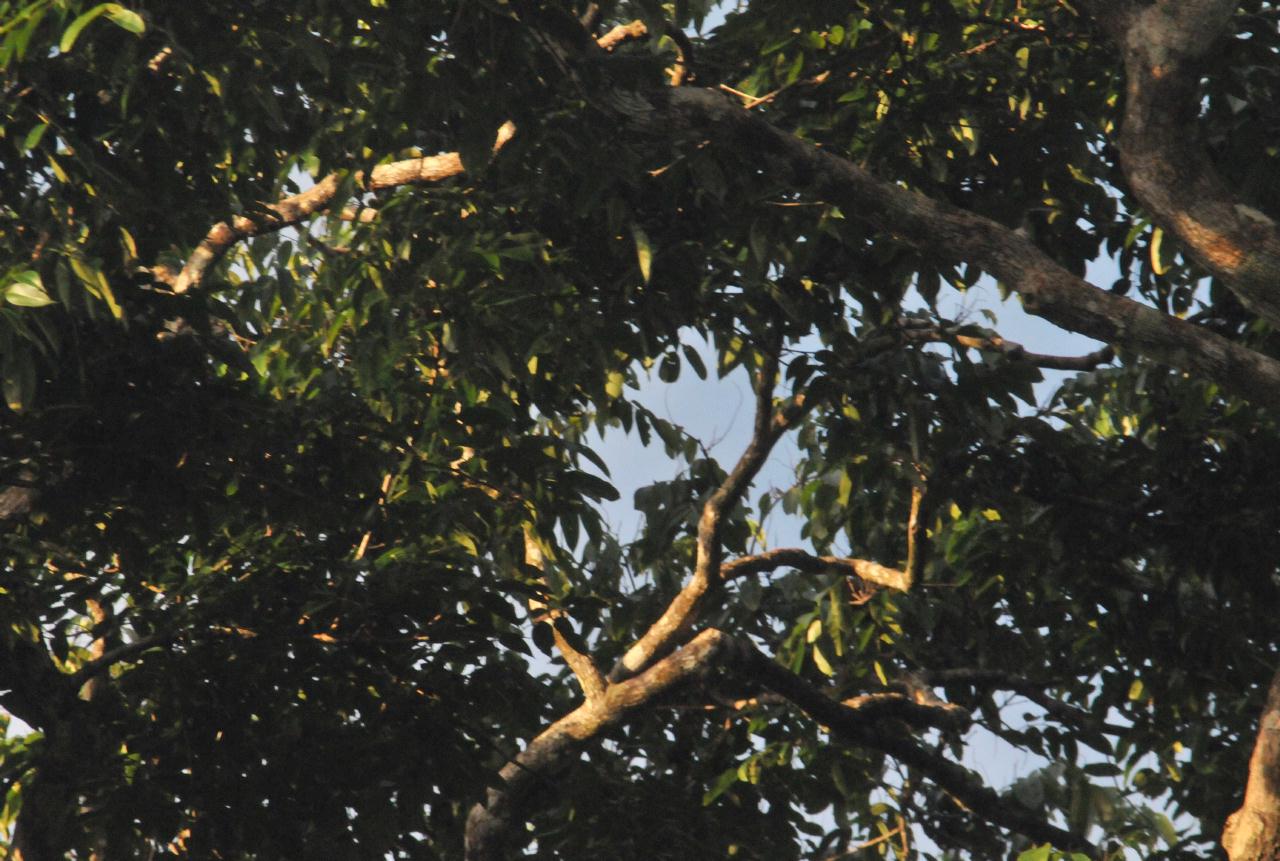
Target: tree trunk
(1252, 833)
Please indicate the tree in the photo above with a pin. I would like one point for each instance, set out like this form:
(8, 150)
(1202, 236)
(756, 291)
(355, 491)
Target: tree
(313, 311)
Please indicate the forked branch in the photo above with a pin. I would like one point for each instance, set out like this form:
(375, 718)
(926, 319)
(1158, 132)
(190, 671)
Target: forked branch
(677, 620)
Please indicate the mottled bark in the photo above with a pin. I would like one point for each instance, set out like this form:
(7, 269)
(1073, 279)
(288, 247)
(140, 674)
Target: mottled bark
(1253, 832)
(1166, 163)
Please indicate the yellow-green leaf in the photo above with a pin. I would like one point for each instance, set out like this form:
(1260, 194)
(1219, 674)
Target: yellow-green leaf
(644, 251)
(814, 631)
(118, 15)
(820, 660)
(613, 384)
(1158, 263)
(27, 291)
(126, 19)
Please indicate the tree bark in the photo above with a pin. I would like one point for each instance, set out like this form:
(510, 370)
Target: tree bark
(1252, 833)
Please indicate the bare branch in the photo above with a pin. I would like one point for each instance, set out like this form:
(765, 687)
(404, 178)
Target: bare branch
(299, 207)
(589, 678)
(802, 560)
(1167, 164)
(1015, 351)
(682, 612)
(623, 33)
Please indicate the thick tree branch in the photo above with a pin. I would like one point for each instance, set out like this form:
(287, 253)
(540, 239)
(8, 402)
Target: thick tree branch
(489, 823)
(1047, 289)
(108, 659)
(1252, 833)
(802, 560)
(676, 621)
(1166, 163)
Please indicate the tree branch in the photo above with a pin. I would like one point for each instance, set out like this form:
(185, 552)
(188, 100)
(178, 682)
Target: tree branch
(1048, 290)
(1167, 165)
(584, 668)
(851, 724)
(108, 659)
(802, 560)
(296, 209)
(489, 823)
(676, 621)
(924, 331)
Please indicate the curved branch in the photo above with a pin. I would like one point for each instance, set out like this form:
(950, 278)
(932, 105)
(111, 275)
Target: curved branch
(1047, 289)
(1168, 167)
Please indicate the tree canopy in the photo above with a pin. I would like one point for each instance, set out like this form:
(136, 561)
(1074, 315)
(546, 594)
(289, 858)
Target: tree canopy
(313, 316)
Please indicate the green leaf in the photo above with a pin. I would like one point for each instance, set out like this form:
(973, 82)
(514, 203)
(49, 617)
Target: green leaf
(126, 19)
(1038, 853)
(32, 140)
(118, 15)
(27, 291)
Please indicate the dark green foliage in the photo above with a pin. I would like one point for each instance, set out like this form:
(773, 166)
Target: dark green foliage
(305, 488)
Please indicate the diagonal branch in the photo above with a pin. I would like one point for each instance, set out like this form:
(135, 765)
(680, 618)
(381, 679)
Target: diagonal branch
(298, 208)
(1167, 165)
(1047, 289)
(580, 662)
(675, 622)
(851, 725)
(489, 823)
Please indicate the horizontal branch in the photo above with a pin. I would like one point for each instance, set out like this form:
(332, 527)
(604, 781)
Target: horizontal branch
(930, 333)
(121, 653)
(802, 560)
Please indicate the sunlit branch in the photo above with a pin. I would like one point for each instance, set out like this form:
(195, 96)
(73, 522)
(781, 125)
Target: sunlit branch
(676, 621)
(802, 560)
(299, 207)
(1048, 290)
(1164, 46)
(584, 668)
(489, 823)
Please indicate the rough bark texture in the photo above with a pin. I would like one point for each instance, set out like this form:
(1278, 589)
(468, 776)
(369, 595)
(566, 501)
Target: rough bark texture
(1253, 832)
(1047, 289)
(1168, 167)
